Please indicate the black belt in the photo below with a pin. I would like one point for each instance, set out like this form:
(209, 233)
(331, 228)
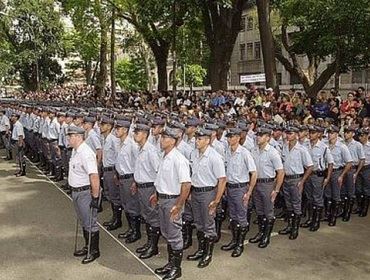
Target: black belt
(145, 185)
(81, 189)
(126, 176)
(167, 196)
(337, 169)
(202, 189)
(365, 167)
(295, 176)
(109, 168)
(52, 140)
(69, 149)
(236, 185)
(265, 180)
(319, 173)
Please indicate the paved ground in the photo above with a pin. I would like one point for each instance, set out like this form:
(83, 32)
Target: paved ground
(37, 226)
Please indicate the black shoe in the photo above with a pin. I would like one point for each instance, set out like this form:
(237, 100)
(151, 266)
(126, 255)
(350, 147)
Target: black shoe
(111, 221)
(333, 213)
(208, 252)
(153, 248)
(136, 227)
(288, 228)
(348, 206)
(360, 201)
(130, 230)
(261, 227)
(295, 226)
(83, 251)
(145, 247)
(309, 216)
(187, 234)
(201, 248)
(316, 218)
(94, 249)
(167, 267)
(175, 269)
(234, 232)
(238, 250)
(117, 223)
(265, 241)
(218, 223)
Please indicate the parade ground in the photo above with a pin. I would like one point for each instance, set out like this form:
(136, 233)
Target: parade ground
(37, 229)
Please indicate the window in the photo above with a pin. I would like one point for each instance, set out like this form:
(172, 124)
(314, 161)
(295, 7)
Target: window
(249, 51)
(249, 23)
(242, 51)
(242, 24)
(257, 50)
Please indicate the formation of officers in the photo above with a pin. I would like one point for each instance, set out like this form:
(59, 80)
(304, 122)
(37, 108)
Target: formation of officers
(174, 174)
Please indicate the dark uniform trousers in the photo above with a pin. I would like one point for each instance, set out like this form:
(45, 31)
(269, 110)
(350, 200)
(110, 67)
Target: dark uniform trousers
(129, 201)
(111, 190)
(262, 199)
(204, 222)
(170, 230)
(19, 154)
(314, 190)
(238, 211)
(363, 181)
(332, 190)
(149, 213)
(348, 189)
(292, 196)
(81, 203)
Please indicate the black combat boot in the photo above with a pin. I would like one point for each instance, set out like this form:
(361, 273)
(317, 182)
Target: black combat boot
(208, 252)
(83, 251)
(145, 247)
(269, 225)
(218, 223)
(153, 248)
(261, 228)
(295, 226)
(238, 250)
(360, 201)
(167, 267)
(348, 210)
(308, 222)
(94, 249)
(22, 172)
(333, 213)
(234, 231)
(327, 210)
(201, 247)
(187, 234)
(175, 269)
(58, 174)
(136, 230)
(112, 219)
(130, 224)
(365, 206)
(288, 228)
(118, 221)
(316, 218)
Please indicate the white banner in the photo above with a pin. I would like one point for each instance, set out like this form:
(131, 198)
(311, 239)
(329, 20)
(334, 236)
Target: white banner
(254, 78)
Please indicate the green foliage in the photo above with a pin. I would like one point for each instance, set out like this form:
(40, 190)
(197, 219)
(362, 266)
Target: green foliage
(130, 74)
(194, 75)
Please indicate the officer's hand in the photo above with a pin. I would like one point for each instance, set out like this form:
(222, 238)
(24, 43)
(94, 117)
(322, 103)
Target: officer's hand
(354, 178)
(116, 180)
(94, 202)
(273, 196)
(246, 198)
(325, 182)
(153, 200)
(300, 186)
(212, 208)
(133, 188)
(189, 197)
(175, 213)
(340, 181)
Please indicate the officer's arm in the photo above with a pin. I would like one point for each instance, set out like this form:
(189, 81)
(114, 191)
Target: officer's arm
(99, 156)
(347, 168)
(252, 181)
(361, 164)
(221, 185)
(330, 171)
(279, 179)
(307, 173)
(95, 184)
(184, 193)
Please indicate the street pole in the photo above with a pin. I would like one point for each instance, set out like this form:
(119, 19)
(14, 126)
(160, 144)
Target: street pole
(174, 62)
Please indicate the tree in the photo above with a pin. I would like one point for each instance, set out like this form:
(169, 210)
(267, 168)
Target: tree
(334, 31)
(194, 75)
(221, 21)
(130, 74)
(32, 31)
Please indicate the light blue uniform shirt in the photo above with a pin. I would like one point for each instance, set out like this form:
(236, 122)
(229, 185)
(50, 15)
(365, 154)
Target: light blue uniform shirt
(146, 165)
(321, 156)
(357, 151)
(341, 154)
(238, 165)
(296, 159)
(267, 161)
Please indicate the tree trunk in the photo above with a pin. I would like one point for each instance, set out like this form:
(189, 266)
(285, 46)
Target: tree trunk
(267, 43)
(161, 56)
(88, 72)
(113, 57)
(218, 69)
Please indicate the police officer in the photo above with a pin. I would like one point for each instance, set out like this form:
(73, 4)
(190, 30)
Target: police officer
(53, 137)
(173, 186)
(5, 133)
(127, 152)
(319, 179)
(269, 165)
(363, 186)
(155, 132)
(342, 164)
(298, 167)
(241, 179)
(83, 178)
(18, 144)
(208, 184)
(358, 156)
(145, 172)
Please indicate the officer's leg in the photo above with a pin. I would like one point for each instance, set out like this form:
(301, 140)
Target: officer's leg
(232, 198)
(328, 198)
(335, 189)
(258, 202)
(107, 185)
(287, 192)
(366, 198)
(348, 196)
(197, 212)
(308, 190)
(296, 200)
(187, 227)
(318, 201)
(114, 197)
(269, 219)
(143, 213)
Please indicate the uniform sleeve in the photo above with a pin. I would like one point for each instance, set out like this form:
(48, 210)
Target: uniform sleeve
(360, 151)
(276, 160)
(89, 163)
(307, 160)
(346, 154)
(20, 131)
(218, 166)
(250, 162)
(183, 170)
(154, 159)
(96, 143)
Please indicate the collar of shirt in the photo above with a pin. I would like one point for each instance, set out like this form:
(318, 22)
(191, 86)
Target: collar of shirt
(237, 151)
